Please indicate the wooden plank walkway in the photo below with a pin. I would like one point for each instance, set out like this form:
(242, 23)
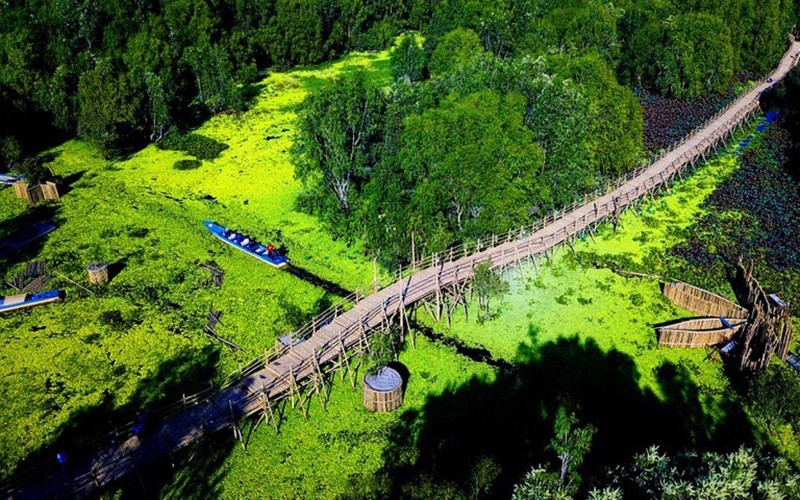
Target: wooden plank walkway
(224, 409)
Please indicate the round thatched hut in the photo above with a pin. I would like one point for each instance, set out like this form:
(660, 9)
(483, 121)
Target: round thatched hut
(98, 273)
(383, 391)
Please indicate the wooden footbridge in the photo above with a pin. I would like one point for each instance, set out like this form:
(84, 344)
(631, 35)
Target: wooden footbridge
(333, 340)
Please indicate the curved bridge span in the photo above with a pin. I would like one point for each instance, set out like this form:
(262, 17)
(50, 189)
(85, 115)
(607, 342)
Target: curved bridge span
(330, 339)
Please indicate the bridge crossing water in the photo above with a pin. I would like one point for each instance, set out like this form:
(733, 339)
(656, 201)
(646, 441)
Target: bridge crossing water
(329, 339)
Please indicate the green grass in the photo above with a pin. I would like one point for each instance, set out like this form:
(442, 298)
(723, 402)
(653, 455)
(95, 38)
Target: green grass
(131, 341)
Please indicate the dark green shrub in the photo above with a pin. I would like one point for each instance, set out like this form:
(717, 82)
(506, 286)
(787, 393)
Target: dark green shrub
(187, 164)
(199, 146)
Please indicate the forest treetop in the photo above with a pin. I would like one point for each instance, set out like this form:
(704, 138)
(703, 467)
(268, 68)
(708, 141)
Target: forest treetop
(119, 73)
(540, 89)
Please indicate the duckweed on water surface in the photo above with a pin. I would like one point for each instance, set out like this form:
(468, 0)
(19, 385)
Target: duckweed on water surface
(139, 338)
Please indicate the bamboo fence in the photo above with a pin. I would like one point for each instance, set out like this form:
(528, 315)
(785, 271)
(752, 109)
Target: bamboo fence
(702, 302)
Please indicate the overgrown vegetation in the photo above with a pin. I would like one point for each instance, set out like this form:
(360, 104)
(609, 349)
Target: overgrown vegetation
(535, 92)
(199, 146)
(138, 340)
(498, 112)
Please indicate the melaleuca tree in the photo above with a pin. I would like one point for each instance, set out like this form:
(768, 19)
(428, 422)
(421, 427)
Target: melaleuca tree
(339, 131)
(216, 88)
(478, 181)
(408, 59)
(740, 474)
(157, 106)
(615, 120)
(556, 112)
(384, 218)
(296, 33)
(770, 402)
(495, 26)
(696, 58)
(570, 443)
(594, 27)
(454, 49)
(106, 108)
(488, 286)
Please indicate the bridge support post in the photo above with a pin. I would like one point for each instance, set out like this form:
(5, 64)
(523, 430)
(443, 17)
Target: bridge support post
(294, 392)
(318, 382)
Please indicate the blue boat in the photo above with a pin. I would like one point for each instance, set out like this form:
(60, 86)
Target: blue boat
(247, 245)
(25, 300)
(8, 180)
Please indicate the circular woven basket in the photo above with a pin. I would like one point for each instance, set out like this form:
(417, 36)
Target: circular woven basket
(383, 391)
(98, 273)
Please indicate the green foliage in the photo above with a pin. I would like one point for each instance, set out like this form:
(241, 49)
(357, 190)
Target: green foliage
(770, 400)
(187, 164)
(164, 57)
(106, 108)
(408, 59)
(216, 88)
(455, 49)
(697, 56)
(384, 347)
(194, 144)
(739, 474)
(617, 124)
(479, 181)
(539, 483)
(138, 341)
(488, 286)
(570, 444)
(339, 130)
(34, 170)
(483, 475)
(10, 151)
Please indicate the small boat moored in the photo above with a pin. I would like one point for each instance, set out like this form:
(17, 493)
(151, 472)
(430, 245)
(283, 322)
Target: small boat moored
(25, 300)
(8, 180)
(265, 253)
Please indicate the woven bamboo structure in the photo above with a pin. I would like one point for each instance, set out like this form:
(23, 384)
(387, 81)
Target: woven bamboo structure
(698, 332)
(769, 325)
(98, 273)
(333, 341)
(21, 189)
(702, 302)
(46, 191)
(383, 391)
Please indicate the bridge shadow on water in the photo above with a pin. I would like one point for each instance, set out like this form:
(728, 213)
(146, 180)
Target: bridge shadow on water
(509, 421)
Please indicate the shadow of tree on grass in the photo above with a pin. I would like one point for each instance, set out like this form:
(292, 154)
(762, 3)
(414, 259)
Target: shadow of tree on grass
(509, 420)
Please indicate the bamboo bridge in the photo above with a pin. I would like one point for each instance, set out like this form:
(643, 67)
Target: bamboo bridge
(331, 340)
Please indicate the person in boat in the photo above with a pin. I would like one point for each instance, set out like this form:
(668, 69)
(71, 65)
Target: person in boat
(232, 236)
(245, 242)
(270, 249)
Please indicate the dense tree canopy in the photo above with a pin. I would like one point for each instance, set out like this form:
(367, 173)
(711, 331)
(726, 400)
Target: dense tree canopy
(170, 54)
(507, 110)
